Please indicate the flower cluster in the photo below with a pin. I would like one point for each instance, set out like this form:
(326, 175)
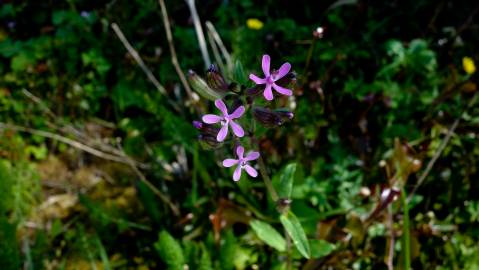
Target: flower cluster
(214, 128)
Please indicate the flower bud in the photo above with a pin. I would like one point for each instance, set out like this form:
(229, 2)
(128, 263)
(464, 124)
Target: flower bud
(215, 80)
(254, 91)
(208, 142)
(202, 88)
(288, 79)
(285, 114)
(267, 117)
(206, 129)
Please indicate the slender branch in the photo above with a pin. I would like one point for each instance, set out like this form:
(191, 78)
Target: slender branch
(38, 101)
(73, 143)
(216, 53)
(155, 190)
(174, 58)
(212, 30)
(142, 64)
(138, 59)
(441, 147)
(199, 32)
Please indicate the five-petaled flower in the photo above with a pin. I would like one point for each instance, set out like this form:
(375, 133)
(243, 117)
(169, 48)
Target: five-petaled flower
(225, 120)
(271, 78)
(242, 163)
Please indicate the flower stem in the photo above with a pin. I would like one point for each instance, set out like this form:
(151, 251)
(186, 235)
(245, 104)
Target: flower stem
(267, 180)
(406, 237)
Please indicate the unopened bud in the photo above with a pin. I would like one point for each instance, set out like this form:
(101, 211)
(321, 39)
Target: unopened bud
(284, 114)
(254, 91)
(287, 80)
(267, 117)
(215, 80)
(208, 142)
(197, 124)
(206, 129)
(202, 88)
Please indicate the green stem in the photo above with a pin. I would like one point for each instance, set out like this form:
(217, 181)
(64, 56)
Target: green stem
(406, 237)
(267, 180)
(262, 166)
(308, 60)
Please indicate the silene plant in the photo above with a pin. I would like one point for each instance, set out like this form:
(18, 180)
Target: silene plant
(240, 106)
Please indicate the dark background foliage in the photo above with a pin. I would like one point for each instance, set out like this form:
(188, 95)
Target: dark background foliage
(373, 103)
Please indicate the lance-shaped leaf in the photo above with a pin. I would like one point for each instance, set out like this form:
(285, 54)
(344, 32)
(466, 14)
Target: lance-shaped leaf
(296, 232)
(284, 183)
(269, 235)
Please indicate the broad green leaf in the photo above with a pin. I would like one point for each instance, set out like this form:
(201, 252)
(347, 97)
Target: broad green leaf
(296, 232)
(269, 235)
(320, 248)
(286, 180)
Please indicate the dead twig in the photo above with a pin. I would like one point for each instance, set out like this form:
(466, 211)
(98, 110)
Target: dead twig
(174, 58)
(138, 59)
(73, 143)
(214, 34)
(199, 32)
(142, 64)
(155, 190)
(441, 147)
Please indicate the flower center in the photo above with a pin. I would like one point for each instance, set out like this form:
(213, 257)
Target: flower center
(224, 121)
(243, 164)
(270, 79)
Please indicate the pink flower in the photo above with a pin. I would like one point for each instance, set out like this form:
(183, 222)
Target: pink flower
(242, 163)
(271, 78)
(225, 120)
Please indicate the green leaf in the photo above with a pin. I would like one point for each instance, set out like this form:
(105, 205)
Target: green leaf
(320, 248)
(228, 251)
(21, 62)
(205, 260)
(170, 251)
(296, 232)
(284, 184)
(269, 235)
(238, 74)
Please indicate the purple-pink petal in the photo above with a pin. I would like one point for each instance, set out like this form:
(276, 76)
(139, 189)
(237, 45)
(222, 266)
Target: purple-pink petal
(237, 174)
(257, 79)
(251, 156)
(222, 133)
(211, 119)
(283, 70)
(265, 64)
(268, 93)
(221, 106)
(282, 90)
(237, 113)
(251, 171)
(229, 162)
(240, 152)
(237, 129)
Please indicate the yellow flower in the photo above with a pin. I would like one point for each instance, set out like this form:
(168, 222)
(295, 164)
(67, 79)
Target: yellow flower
(254, 24)
(468, 65)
